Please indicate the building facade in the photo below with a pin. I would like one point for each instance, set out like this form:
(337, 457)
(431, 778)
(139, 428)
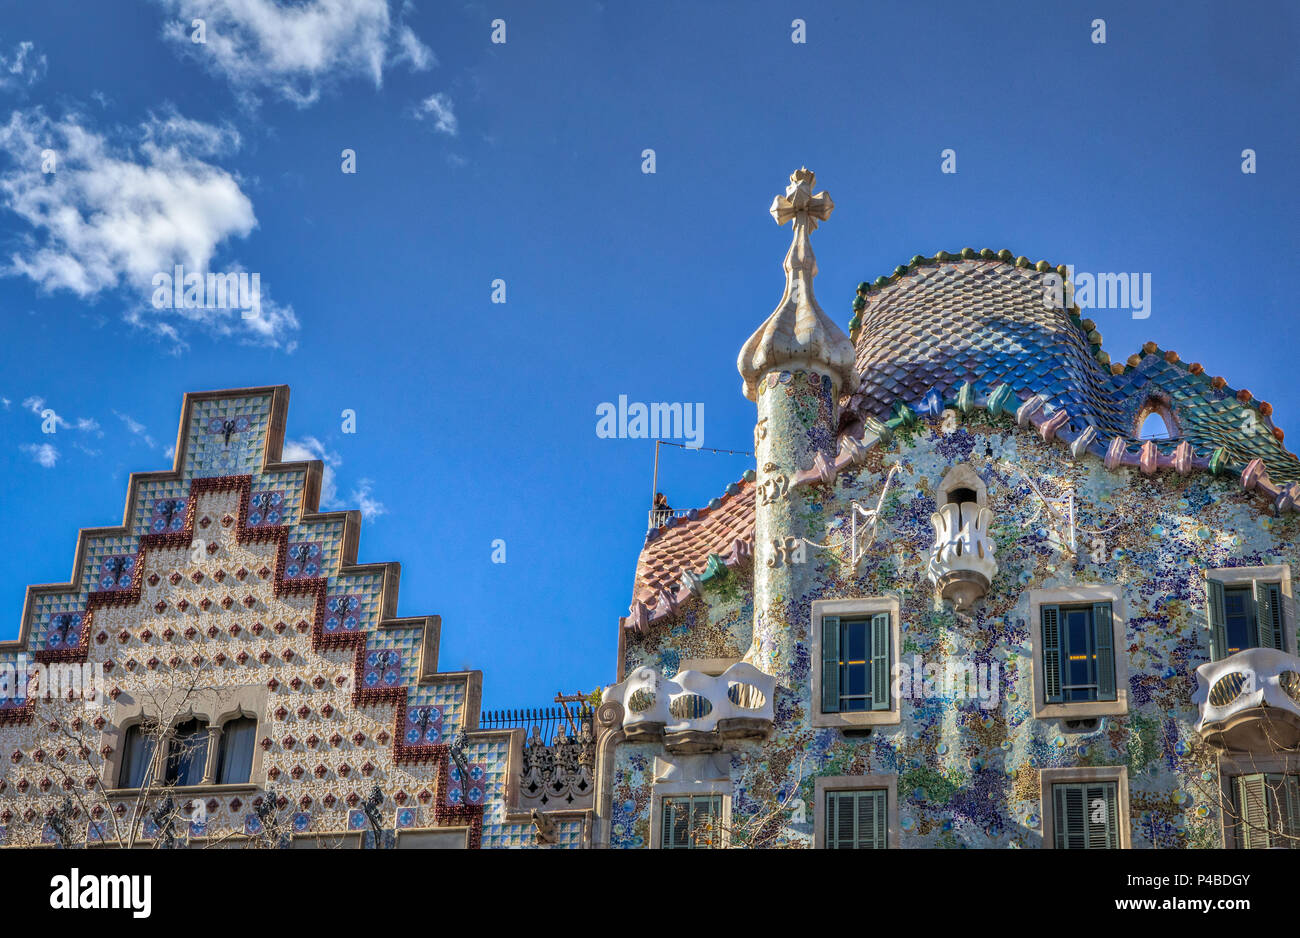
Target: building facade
(959, 601)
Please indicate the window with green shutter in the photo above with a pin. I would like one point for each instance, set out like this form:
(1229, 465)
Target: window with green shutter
(1267, 808)
(1241, 616)
(1086, 815)
(857, 820)
(1078, 653)
(855, 663)
(691, 822)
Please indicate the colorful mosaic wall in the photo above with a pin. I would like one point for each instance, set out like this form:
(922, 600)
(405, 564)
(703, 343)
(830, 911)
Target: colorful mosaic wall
(969, 776)
(225, 581)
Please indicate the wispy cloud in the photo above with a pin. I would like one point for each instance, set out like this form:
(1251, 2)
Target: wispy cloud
(21, 68)
(309, 447)
(43, 454)
(136, 428)
(115, 213)
(370, 507)
(438, 108)
(294, 50)
(37, 406)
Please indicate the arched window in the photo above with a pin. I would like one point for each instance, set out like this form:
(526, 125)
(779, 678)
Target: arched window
(137, 753)
(1154, 428)
(235, 756)
(1155, 421)
(187, 754)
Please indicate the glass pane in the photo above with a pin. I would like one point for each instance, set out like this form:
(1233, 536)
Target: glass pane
(137, 751)
(1080, 655)
(188, 754)
(855, 648)
(1238, 623)
(235, 763)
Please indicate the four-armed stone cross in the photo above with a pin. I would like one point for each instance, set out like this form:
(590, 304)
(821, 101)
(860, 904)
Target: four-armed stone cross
(805, 209)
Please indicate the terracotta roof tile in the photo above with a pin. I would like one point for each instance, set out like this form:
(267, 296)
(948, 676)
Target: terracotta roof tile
(687, 543)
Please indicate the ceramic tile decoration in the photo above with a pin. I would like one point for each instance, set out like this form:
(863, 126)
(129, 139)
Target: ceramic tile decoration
(957, 486)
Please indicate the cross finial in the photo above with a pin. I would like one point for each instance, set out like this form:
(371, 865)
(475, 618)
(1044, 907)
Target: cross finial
(799, 200)
(798, 332)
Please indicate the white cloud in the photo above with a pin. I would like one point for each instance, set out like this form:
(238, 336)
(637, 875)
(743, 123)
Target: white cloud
(5, 402)
(37, 406)
(439, 107)
(370, 507)
(311, 448)
(45, 454)
(294, 50)
(21, 69)
(114, 215)
(137, 429)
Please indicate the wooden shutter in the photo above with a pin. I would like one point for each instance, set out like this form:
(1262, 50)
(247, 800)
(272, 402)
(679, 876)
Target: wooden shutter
(1105, 645)
(1289, 797)
(1051, 622)
(1070, 816)
(879, 828)
(1252, 811)
(705, 821)
(669, 817)
(841, 818)
(1218, 619)
(1103, 834)
(880, 661)
(1268, 614)
(856, 820)
(830, 664)
(1075, 805)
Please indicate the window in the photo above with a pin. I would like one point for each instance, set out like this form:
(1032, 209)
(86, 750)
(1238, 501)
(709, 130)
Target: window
(188, 754)
(857, 820)
(1086, 815)
(1268, 810)
(1154, 428)
(1244, 615)
(1078, 653)
(235, 754)
(137, 753)
(855, 643)
(692, 821)
(855, 663)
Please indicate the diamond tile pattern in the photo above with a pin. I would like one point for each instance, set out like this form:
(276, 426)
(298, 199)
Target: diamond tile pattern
(983, 322)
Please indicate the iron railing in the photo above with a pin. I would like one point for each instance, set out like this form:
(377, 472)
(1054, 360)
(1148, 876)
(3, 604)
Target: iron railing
(659, 516)
(549, 721)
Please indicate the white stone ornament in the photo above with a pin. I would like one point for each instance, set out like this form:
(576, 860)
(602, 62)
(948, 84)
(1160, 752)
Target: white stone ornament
(961, 564)
(799, 333)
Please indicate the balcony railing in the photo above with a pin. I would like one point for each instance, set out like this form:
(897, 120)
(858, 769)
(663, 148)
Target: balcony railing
(659, 517)
(694, 711)
(1250, 701)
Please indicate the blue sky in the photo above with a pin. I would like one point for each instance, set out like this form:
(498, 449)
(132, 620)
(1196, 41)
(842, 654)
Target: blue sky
(522, 161)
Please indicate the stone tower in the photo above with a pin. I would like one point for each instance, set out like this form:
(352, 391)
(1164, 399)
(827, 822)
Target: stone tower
(795, 368)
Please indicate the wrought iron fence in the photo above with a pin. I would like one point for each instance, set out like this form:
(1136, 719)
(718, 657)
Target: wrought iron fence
(549, 721)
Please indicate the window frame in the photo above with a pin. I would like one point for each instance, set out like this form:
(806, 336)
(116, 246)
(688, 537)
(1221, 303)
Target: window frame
(214, 706)
(825, 785)
(1078, 595)
(1239, 577)
(855, 609)
(668, 791)
(1048, 779)
(1233, 765)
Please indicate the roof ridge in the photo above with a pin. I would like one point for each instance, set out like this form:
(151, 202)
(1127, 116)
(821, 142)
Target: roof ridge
(1087, 327)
